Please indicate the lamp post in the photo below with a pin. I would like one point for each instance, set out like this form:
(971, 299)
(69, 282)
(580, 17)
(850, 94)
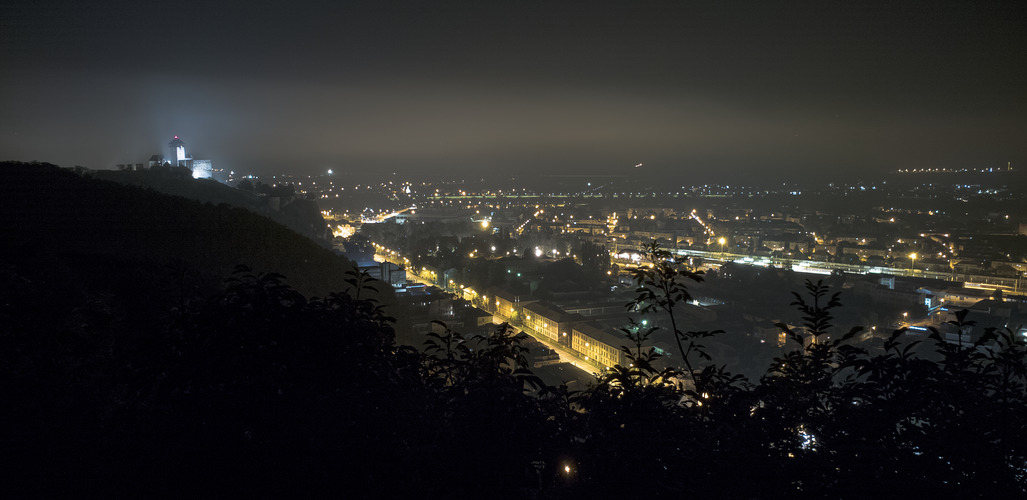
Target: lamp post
(722, 241)
(912, 261)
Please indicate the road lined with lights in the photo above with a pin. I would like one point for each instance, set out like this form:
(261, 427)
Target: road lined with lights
(566, 355)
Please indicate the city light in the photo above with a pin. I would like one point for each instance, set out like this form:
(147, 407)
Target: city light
(831, 142)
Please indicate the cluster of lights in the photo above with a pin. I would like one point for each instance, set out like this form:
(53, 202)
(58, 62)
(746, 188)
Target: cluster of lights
(706, 228)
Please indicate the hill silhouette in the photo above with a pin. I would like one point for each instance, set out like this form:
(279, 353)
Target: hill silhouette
(46, 211)
(283, 207)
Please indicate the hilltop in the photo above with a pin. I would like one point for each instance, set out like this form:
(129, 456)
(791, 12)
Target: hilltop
(296, 213)
(58, 217)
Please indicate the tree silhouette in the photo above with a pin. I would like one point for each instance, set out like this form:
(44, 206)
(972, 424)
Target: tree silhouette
(662, 286)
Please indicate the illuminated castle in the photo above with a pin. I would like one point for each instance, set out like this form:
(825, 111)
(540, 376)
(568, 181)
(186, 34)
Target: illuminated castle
(202, 169)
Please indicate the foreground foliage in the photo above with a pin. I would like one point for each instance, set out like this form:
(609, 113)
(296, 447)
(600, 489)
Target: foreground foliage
(258, 390)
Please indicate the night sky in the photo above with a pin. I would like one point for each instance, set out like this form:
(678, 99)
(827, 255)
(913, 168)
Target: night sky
(739, 89)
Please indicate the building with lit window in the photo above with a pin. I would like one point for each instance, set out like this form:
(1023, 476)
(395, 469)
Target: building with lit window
(550, 321)
(600, 345)
(504, 303)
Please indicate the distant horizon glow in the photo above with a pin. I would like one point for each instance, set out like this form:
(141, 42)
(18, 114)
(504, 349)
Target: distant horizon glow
(696, 90)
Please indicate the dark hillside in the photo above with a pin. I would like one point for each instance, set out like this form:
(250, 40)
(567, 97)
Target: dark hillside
(45, 209)
(296, 213)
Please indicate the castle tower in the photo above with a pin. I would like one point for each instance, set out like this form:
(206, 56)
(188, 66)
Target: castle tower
(177, 156)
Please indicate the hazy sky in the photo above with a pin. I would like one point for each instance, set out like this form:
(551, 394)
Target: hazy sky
(739, 88)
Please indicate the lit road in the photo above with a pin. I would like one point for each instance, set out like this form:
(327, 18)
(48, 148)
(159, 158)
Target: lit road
(566, 355)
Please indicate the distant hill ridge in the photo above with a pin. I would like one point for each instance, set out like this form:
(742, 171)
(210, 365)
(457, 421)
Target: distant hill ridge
(45, 209)
(298, 214)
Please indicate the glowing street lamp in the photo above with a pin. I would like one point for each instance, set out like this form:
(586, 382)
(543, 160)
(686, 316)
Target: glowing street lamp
(722, 241)
(912, 261)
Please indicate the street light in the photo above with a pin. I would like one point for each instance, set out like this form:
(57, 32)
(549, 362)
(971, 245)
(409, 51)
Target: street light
(912, 261)
(722, 241)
